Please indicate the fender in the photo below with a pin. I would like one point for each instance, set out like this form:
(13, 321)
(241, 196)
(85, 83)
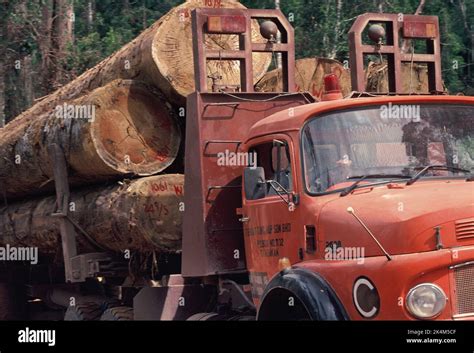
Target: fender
(313, 292)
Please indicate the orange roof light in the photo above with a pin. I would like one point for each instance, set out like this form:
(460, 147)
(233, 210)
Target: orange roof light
(332, 90)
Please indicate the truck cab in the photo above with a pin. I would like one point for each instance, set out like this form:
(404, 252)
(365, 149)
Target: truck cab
(354, 208)
(335, 213)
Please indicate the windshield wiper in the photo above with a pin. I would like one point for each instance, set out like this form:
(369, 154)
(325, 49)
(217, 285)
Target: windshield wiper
(435, 167)
(360, 178)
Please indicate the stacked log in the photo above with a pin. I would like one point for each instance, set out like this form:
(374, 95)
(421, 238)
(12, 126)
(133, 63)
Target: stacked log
(172, 52)
(123, 128)
(309, 77)
(310, 72)
(414, 78)
(141, 215)
(162, 56)
(115, 121)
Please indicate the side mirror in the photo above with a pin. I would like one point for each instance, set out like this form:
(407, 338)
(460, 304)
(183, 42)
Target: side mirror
(254, 183)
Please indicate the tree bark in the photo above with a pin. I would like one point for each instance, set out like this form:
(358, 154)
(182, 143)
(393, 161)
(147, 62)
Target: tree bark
(45, 46)
(3, 66)
(2, 95)
(90, 14)
(26, 75)
(470, 34)
(309, 77)
(122, 128)
(420, 7)
(62, 37)
(337, 29)
(71, 20)
(141, 215)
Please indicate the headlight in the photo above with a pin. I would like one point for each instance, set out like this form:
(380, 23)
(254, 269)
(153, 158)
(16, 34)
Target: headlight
(426, 301)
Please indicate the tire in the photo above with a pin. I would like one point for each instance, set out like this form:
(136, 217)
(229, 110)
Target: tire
(217, 317)
(120, 313)
(83, 312)
(245, 318)
(205, 317)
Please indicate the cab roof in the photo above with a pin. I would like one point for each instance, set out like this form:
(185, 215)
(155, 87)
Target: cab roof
(293, 119)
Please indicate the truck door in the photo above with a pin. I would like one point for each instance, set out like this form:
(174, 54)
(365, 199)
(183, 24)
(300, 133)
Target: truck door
(269, 210)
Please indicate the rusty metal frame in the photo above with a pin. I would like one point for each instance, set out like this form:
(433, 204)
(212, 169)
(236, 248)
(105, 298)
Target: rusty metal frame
(218, 121)
(77, 267)
(212, 231)
(68, 232)
(247, 47)
(395, 26)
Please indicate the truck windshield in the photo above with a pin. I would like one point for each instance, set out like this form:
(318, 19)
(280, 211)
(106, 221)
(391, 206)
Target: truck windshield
(386, 140)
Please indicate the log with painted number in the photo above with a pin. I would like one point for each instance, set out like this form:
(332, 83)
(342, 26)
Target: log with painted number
(142, 215)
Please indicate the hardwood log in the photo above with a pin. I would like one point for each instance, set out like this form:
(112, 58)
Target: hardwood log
(123, 128)
(141, 215)
(162, 55)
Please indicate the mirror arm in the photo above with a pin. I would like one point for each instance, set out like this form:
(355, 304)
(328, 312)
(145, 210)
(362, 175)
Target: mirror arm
(270, 182)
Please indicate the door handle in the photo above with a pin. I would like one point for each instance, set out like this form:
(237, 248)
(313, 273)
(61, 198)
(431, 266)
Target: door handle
(244, 219)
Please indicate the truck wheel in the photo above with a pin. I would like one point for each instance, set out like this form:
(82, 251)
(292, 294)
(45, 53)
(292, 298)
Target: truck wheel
(205, 317)
(217, 317)
(119, 313)
(83, 312)
(243, 318)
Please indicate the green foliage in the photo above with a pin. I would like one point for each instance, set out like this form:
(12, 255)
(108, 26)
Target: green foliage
(320, 29)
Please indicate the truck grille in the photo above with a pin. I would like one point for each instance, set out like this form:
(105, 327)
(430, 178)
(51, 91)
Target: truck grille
(464, 280)
(464, 228)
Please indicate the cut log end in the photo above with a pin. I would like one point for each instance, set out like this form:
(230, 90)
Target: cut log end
(138, 135)
(172, 51)
(122, 128)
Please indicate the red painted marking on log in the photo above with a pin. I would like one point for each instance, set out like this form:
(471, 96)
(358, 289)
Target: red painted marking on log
(162, 153)
(178, 190)
(149, 208)
(162, 186)
(160, 158)
(213, 3)
(157, 207)
(183, 12)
